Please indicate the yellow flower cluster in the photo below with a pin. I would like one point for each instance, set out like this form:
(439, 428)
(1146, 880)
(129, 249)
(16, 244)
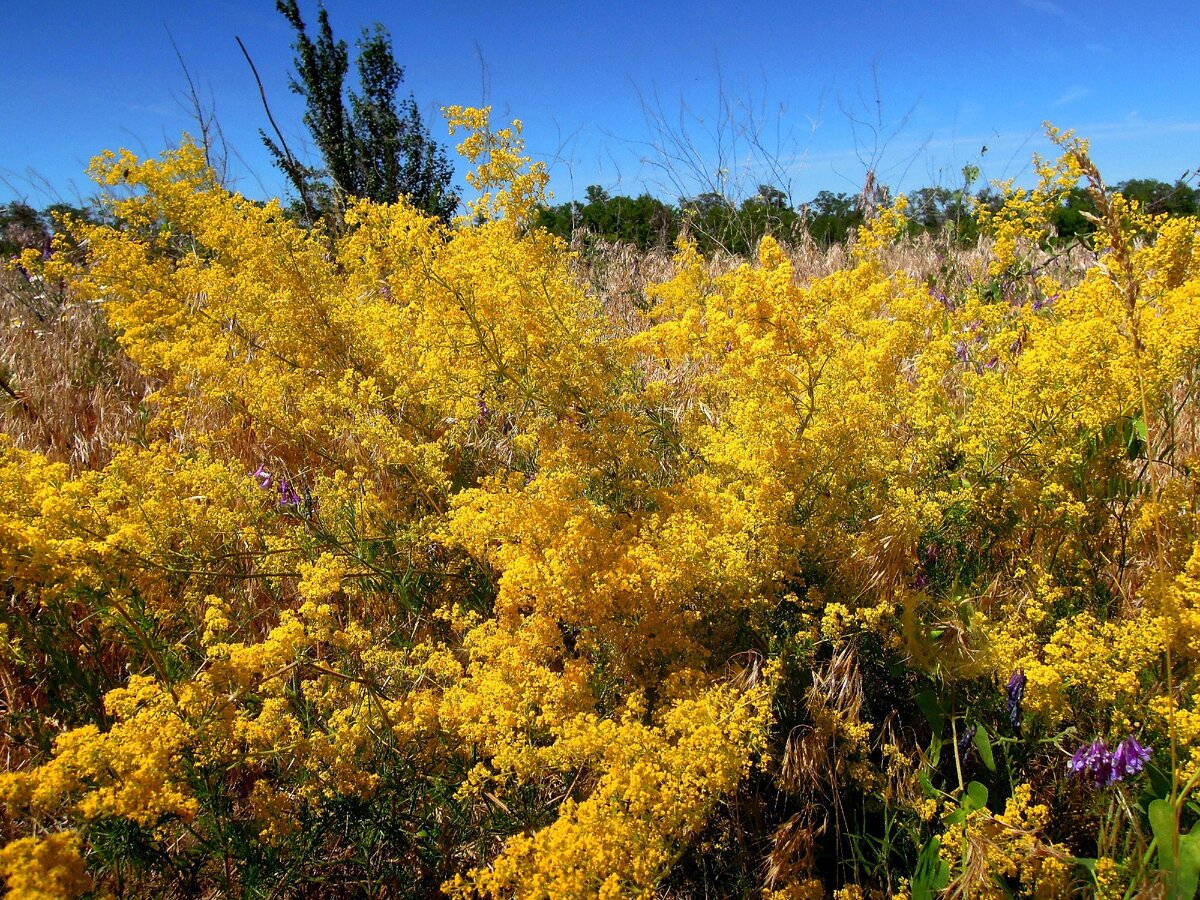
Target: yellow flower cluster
(658, 786)
(48, 868)
(986, 848)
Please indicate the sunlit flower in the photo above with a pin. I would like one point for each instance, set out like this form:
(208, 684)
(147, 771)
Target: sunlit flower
(1106, 767)
(1130, 757)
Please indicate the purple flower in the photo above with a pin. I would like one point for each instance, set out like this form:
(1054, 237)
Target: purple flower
(942, 299)
(1094, 760)
(287, 494)
(1130, 757)
(1079, 761)
(960, 350)
(964, 742)
(1015, 694)
(263, 476)
(1105, 767)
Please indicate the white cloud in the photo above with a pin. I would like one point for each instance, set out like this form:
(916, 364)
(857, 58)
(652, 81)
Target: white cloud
(1071, 94)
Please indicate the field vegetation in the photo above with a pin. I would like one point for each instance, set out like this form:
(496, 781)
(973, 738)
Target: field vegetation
(376, 554)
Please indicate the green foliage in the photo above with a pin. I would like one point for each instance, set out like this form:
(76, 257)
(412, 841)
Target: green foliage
(718, 224)
(1178, 854)
(21, 227)
(830, 218)
(714, 222)
(642, 221)
(372, 147)
(933, 873)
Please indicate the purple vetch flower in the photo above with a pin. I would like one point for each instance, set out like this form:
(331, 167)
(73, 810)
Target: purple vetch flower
(1106, 767)
(964, 742)
(1130, 757)
(921, 581)
(1093, 760)
(960, 350)
(287, 494)
(263, 476)
(1043, 302)
(942, 299)
(1015, 693)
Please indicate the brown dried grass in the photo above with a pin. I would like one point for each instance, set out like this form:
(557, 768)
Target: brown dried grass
(72, 393)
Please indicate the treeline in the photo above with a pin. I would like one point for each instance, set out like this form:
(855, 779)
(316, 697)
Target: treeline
(829, 218)
(718, 224)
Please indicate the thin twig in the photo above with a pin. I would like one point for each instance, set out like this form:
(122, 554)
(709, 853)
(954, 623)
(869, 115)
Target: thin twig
(291, 160)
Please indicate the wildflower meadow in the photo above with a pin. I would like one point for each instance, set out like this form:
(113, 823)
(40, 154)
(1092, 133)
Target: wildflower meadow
(422, 557)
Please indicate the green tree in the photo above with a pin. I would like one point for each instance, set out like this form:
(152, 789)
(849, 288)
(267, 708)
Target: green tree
(21, 228)
(372, 146)
(643, 221)
(1178, 199)
(831, 217)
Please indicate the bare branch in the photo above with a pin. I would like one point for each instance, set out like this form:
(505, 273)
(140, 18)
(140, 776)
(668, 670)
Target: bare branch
(291, 160)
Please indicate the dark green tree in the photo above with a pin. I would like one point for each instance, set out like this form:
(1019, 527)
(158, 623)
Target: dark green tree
(642, 221)
(1178, 199)
(372, 145)
(21, 228)
(831, 217)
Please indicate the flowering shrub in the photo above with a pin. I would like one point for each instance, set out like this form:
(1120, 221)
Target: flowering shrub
(424, 574)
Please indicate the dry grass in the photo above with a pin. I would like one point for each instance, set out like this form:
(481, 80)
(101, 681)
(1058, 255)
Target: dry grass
(620, 274)
(68, 389)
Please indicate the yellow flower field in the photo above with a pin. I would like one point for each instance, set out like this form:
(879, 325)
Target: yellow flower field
(428, 567)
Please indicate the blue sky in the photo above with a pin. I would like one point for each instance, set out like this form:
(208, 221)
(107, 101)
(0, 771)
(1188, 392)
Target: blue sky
(672, 98)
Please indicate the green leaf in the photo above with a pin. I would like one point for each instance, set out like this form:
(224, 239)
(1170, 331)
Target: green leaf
(932, 874)
(977, 794)
(1162, 823)
(984, 745)
(927, 787)
(1159, 782)
(934, 753)
(1139, 438)
(927, 702)
(1182, 871)
(1189, 864)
